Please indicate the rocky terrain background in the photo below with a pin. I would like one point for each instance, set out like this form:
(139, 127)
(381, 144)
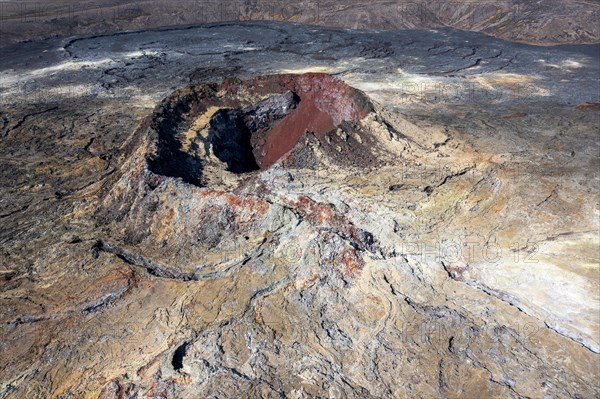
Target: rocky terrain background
(536, 22)
(440, 241)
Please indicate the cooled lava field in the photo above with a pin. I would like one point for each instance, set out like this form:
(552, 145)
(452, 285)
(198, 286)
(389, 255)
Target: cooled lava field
(268, 209)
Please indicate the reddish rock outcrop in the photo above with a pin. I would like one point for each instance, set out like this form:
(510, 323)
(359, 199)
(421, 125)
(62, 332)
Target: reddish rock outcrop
(589, 106)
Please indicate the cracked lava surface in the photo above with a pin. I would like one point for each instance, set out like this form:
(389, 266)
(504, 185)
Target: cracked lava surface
(181, 221)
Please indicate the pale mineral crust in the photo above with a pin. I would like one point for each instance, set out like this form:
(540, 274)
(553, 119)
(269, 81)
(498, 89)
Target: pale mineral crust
(267, 210)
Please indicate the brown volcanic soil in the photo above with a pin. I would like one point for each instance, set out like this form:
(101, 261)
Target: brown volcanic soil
(592, 106)
(547, 22)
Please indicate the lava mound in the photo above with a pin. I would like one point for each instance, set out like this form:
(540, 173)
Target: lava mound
(245, 126)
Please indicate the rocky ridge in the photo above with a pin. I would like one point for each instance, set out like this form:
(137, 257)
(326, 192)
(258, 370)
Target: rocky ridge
(548, 22)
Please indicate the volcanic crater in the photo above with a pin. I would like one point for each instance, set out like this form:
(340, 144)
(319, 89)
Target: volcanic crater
(247, 126)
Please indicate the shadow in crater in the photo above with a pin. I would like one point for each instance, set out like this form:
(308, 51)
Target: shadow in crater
(171, 159)
(230, 139)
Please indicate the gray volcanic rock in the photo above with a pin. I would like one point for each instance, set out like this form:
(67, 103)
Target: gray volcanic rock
(428, 226)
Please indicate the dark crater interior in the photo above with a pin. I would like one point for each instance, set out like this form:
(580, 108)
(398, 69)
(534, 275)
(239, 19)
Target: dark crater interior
(230, 140)
(170, 159)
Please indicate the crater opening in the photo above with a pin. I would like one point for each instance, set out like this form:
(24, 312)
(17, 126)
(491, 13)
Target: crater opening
(249, 125)
(230, 140)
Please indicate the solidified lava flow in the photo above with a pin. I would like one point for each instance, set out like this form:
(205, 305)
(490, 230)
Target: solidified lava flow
(252, 123)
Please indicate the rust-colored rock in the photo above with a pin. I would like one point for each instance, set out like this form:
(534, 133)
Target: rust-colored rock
(589, 106)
